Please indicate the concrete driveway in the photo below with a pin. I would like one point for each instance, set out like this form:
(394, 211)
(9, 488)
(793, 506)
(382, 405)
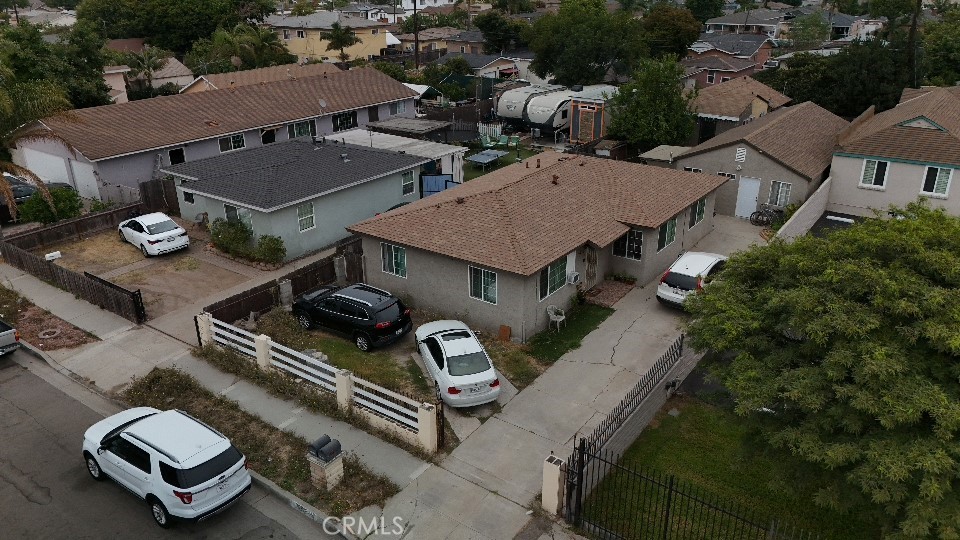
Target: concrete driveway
(505, 454)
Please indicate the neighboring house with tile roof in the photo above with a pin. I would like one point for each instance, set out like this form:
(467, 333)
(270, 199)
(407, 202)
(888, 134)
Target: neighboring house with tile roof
(115, 77)
(485, 65)
(126, 45)
(893, 157)
(374, 12)
(118, 146)
(172, 72)
(732, 103)
(236, 79)
(501, 248)
(430, 39)
(779, 159)
(305, 192)
(753, 21)
(754, 47)
(709, 70)
(303, 35)
(468, 41)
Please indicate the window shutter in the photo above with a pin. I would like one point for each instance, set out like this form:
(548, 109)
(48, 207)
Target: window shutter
(943, 180)
(869, 169)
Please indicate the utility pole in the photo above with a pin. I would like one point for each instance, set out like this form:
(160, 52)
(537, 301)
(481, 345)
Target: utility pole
(416, 37)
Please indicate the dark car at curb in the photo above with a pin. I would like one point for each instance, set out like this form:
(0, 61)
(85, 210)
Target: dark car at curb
(371, 317)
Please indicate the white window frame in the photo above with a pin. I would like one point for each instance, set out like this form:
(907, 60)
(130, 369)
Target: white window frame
(693, 169)
(697, 212)
(776, 197)
(547, 269)
(189, 200)
(731, 176)
(711, 76)
(634, 233)
(741, 155)
(484, 273)
(406, 182)
(394, 251)
(398, 107)
(934, 194)
(296, 129)
(669, 227)
(243, 214)
(301, 34)
(882, 186)
(232, 140)
(301, 219)
(337, 120)
(286, 34)
(724, 79)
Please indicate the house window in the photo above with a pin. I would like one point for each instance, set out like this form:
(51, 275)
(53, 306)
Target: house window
(630, 245)
(728, 175)
(463, 49)
(398, 107)
(235, 214)
(286, 34)
(375, 31)
(711, 77)
(305, 216)
(344, 121)
(779, 193)
(407, 183)
(301, 34)
(302, 129)
(233, 142)
(373, 113)
(394, 259)
(692, 169)
(176, 156)
(483, 284)
(741, 155)
(268, 136)
(937, 181)
(553, 277)
(874, 173)
(696, 212)
(724, 79)
(188, 197)
(667, 234)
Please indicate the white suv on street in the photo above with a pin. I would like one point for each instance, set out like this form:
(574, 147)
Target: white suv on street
(182, 467)
(687, 275)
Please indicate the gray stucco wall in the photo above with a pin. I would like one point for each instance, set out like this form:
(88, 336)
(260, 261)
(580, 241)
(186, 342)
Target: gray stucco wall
(756, 165)
(332, 213)
(903, 185)
(50, 158)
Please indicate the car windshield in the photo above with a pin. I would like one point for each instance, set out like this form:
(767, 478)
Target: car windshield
(188, 478)
(162, 227)
(391, 312)
(468, 364)
(681, 281)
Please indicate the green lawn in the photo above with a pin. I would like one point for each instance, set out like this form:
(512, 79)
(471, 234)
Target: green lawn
(710, 449)
(549, 345)
(471, 171)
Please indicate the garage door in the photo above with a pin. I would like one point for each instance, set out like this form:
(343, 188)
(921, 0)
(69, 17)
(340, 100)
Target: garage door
(48, 167)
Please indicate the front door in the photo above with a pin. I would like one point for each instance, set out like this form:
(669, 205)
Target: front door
(747, 194)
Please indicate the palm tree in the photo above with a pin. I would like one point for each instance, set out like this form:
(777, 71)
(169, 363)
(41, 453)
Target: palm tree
(259, 46)
(146, 62)
(21, 104)
(340, 37)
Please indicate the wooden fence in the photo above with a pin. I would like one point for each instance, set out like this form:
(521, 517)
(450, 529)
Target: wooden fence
(160, 195)
(127, 304)
(73, 228)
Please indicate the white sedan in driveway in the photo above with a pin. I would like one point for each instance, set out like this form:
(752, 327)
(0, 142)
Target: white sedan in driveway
(459, 365)
(154, 234)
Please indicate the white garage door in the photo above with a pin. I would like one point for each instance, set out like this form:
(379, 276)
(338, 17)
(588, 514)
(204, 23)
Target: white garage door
(48, 167)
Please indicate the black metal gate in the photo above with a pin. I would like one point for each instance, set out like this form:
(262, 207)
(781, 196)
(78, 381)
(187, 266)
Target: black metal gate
(135, 296)
(441, 425)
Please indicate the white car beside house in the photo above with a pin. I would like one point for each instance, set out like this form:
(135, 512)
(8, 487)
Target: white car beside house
(689, 274)
(457, 362)
(154, 234)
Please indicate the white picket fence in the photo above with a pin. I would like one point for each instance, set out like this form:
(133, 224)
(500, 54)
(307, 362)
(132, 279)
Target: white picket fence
(492, 129)
(417, 421)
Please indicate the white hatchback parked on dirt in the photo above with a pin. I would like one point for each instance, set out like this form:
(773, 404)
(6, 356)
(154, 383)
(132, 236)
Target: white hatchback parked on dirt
(687, 275)
(461, 370)
(183, 468)
(154, 234)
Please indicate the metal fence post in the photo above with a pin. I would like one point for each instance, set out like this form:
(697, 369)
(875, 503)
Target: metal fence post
(666, 516)
(576, 505)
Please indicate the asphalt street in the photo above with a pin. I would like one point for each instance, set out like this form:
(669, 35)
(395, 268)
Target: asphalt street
(45, 491)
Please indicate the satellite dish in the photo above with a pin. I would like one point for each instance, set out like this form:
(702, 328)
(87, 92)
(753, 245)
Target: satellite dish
(323, 104)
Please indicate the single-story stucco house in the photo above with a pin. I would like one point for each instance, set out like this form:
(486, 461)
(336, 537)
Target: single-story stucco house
(305, 191)
(501, 248)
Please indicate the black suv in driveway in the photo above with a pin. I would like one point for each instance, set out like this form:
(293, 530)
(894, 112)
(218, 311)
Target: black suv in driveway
(372, 317)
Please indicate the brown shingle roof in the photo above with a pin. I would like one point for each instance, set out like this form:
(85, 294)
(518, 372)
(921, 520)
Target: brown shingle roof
(516, 219)
(732, 97)
(882, 136)
(236, 79)
(719, 63)
(133, 45)
(125, 128)
(802, 137)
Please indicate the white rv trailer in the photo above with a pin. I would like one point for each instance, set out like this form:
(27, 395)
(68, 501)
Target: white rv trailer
(513, 103)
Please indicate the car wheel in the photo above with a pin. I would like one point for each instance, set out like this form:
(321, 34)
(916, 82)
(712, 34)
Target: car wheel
(159, 513)
(305, 321)
(144, 251)
(362, 341)
(122, 237)
(93, 467)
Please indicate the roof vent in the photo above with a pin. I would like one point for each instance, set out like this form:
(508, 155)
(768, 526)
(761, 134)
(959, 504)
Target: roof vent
(460, 200)
(212, 123)
(556, 179)
(582, 163)
(344, 158)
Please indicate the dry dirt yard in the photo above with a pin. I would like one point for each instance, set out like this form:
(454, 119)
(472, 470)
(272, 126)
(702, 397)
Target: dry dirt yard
(177, 280)
(97, 253)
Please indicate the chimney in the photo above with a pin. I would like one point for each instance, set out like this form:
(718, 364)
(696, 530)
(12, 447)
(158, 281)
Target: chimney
(528, 164)
(556, 179)
(459, 200)
(538, 163)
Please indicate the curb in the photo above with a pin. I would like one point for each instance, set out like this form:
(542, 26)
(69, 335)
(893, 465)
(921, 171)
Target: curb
(59, 368)
(296, 503)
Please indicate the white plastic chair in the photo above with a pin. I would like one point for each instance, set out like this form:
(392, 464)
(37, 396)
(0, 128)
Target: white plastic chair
(557, 316)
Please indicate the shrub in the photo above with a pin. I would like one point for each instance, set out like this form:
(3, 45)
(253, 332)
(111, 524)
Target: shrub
(66, 202)
(100, 206)
(231, 237)
(270, 249)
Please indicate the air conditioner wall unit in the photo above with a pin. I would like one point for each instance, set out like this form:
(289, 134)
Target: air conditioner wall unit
(573, 278)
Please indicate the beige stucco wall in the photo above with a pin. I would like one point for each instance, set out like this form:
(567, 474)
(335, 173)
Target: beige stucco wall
(756, 165)
(312, 46)
(903, 185)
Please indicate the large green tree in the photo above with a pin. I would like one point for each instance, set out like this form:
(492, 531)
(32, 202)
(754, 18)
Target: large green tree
(845, 350)
(243, 47)
(457, 19)
(941, 57)
(654, 108)
(669, 30)
(808, 32)
(500, 33)
(705, 9)
(583, 43)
